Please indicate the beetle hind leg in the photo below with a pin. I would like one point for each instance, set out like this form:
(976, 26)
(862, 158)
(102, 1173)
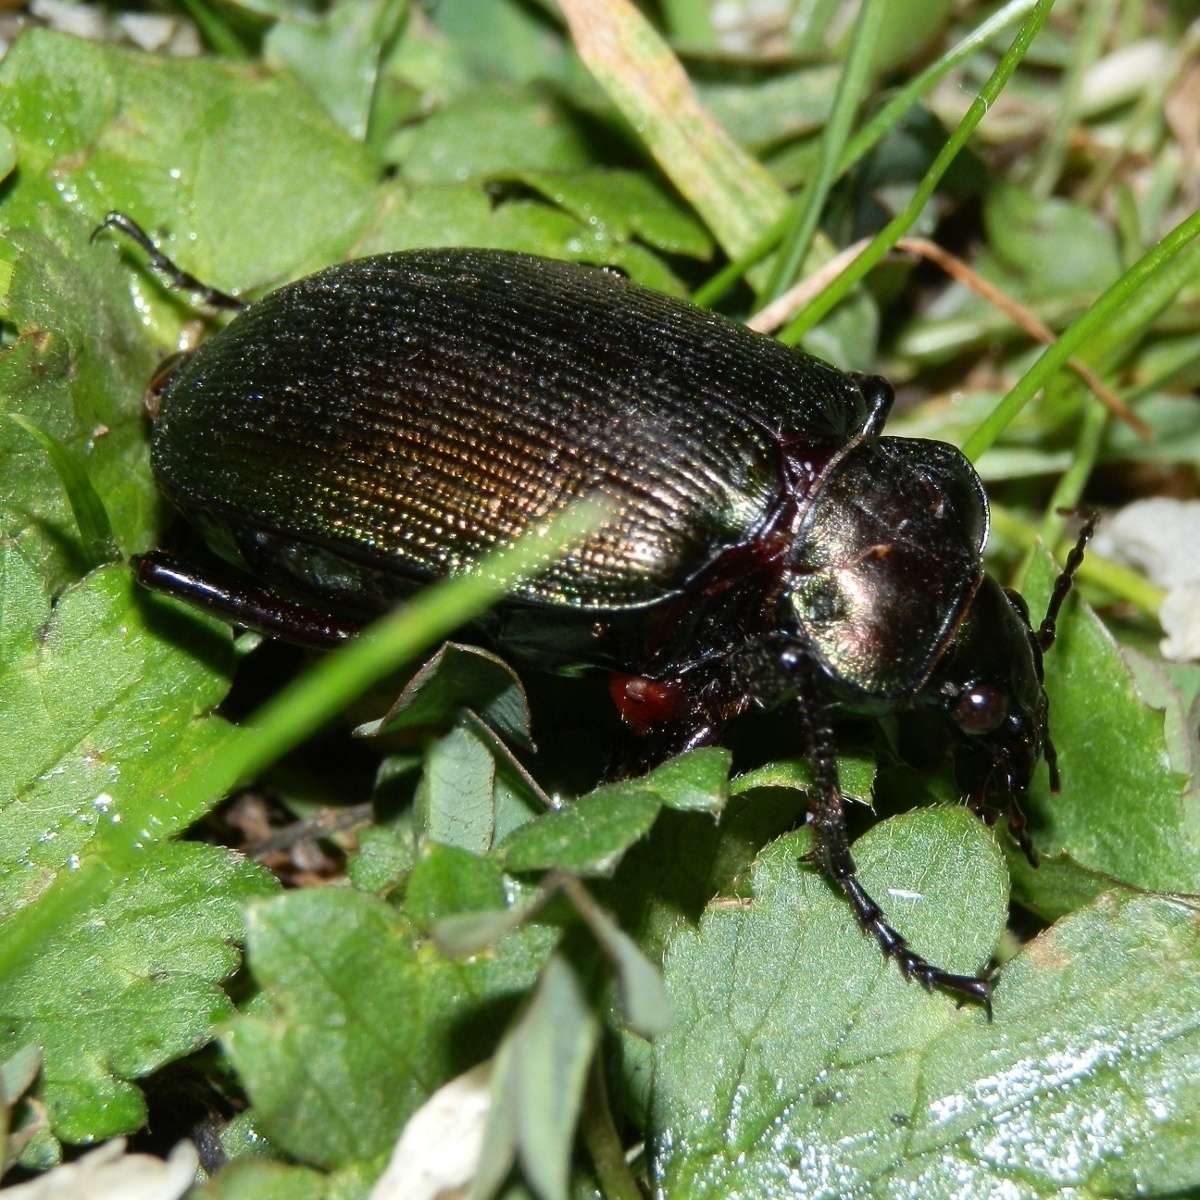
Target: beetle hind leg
(831, 852)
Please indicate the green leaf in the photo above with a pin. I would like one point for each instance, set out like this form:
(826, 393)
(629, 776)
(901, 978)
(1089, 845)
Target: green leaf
(383, 859)
(24, 603)
(786, 1012)
(220, 154)
(1089, 1069)
(465, 933)
(493, 131)
(644, 999)
(1176, 433)
(458, 677)
(1174, 688)
(537, 1087)
(803, 1065)
(130, 984)
(1058, 885)
(77, 372)
(95, 531)
(855, 772)
(17, 1073)
(669, 877)
(338, 54)
(104, 701)
(20, 1121)
(1058, 246)
(251, 1180)
(768, 110)
(363, 1021)
(1123, 810)
(456, 797)
(446, 880)
(910, 27)
(623, 205)
(587, 837)
(8, 152)
(506, 39)
(466, 215)
(697, 781)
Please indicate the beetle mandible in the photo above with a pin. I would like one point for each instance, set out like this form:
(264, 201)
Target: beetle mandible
(388, 420)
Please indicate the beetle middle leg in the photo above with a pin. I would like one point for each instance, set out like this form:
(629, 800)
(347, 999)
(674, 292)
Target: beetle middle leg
(831, 850)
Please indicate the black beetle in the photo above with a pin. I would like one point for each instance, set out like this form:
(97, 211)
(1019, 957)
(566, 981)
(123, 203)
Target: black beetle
(387, 421)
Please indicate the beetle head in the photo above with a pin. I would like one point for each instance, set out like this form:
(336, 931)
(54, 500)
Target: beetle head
(989, 685)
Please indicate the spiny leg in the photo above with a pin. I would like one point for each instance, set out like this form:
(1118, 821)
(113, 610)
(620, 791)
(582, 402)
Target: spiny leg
(175, 276)
(831, 851)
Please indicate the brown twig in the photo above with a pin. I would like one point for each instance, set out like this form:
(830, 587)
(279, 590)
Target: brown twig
(780, 310)
(328, 821)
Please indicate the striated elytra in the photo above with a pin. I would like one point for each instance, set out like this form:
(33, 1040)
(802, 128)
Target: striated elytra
(385, 422)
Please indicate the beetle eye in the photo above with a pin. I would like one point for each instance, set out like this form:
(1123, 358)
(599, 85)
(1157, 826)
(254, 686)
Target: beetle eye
(980, 709)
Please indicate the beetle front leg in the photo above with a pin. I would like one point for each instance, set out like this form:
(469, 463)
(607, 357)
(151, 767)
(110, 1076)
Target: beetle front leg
(1018, 830)
(831, 853)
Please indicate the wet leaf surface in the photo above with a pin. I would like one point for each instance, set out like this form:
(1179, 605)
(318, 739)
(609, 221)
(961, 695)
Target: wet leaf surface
(798, 1072)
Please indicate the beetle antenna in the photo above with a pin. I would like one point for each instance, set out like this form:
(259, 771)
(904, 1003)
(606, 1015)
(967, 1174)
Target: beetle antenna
(1062, 585)
(831, 847)
(176, 277)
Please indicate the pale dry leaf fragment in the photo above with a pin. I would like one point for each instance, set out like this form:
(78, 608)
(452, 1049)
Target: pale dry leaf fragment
(1161, 538)
(1180, 617)
(108, 1173)
(1123, 75)
(439, 1148)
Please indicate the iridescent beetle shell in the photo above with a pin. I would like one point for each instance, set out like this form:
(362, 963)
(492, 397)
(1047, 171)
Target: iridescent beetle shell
(396, 417)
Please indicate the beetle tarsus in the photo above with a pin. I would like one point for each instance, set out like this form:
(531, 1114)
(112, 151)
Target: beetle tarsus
(176, 276)
(911, 964)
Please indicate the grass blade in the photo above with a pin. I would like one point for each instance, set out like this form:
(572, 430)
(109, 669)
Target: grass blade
(852, 86)
(731, 191)
(868, 137)
(298, 710)
(1122, 294)
(896, 228)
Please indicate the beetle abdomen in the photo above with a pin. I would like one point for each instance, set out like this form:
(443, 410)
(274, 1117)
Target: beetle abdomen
(407, 413)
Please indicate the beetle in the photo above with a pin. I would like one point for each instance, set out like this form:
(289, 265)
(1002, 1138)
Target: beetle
(388, 420)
